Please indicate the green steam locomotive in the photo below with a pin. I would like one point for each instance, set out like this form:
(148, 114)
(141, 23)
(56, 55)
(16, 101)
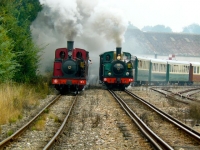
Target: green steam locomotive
(115, 69)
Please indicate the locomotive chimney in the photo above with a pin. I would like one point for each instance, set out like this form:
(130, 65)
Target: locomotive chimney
(118, 50)
(70, 45)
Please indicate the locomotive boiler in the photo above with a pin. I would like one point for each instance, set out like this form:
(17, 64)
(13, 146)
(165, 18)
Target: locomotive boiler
(70, 69)
(115, 70)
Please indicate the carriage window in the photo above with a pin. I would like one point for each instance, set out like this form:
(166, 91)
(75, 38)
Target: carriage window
(176, 68)
(143, 64)
(198, 70)
(153, 67)
(107, 57)
(194, 69)
(172, 68)
(79, 55)
(181, 68)
(140, 63)
(161, 68)
(62, 54)
(146, 65)
(186, 68)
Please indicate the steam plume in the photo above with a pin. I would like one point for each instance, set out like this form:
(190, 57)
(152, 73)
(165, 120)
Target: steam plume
(92, 27)
(109, 23)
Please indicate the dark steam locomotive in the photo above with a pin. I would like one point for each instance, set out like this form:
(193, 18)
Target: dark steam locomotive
(70, 69)
(115, 70)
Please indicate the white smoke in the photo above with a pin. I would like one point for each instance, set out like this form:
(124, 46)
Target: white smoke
(62, 17)
(92, 27)
(110, 24)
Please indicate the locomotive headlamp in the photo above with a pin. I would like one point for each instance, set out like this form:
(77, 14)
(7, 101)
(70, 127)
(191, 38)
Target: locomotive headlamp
(69, 53)
(127, 73)
(118, 57)
(109, 73)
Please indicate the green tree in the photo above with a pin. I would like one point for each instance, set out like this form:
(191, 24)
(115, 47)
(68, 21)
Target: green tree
(7, 62)
(193, 29)
(157, 28)
(17, 16)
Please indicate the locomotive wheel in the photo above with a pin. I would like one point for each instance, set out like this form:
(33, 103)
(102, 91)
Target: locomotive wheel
(109, 87)
(63, 91)
(122, 88)
(76, 90)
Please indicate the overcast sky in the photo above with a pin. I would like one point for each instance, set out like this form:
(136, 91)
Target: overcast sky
(173, 13)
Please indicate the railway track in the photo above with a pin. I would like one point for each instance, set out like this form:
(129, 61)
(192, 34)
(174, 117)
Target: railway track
(150, 135)
(98, 122)
(54, 139)
(181, 96)
(28, 138)
(186, 93)
(176, 127)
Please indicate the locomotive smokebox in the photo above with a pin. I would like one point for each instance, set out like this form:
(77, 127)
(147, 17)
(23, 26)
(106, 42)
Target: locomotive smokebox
(118, 50)
(70, 45)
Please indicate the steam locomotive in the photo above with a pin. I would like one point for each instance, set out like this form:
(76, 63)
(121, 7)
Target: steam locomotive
(70, 69)
(115, 70)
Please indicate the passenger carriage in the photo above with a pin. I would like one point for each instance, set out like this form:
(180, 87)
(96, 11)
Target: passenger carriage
(194, 72)
(178, 72)
(141, 70)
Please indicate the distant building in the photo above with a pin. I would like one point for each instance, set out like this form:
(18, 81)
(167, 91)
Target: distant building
(163, 44)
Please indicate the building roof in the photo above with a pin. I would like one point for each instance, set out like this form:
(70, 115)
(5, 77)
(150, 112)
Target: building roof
(162, 43)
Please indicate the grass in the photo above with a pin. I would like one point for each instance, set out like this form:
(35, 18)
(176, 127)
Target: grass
(15, 98)
(195, 113)
(10, 132)
(40, 123)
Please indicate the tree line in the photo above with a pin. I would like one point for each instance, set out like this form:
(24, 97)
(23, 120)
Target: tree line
(18, 54)
(192, 29)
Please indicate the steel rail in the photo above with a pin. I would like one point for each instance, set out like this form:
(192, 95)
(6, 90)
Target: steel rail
(180, 94)
(22, 129)
(170, 95)
(155, 140)
(188, 90)
(49, 145)
(176, 122)
(187, 96)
